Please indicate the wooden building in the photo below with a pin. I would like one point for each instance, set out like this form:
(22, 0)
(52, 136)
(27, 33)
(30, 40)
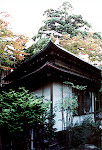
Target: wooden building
(45, 73)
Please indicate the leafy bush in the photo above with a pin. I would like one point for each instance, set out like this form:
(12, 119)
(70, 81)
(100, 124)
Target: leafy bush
(84, 132)
(21, 110)
(49, 130)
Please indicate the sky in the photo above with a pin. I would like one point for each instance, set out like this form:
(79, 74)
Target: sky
(27, 15)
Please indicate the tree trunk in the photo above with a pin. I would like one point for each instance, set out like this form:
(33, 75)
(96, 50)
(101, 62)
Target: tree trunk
(68, 131)
(41, 139)
(68, 138)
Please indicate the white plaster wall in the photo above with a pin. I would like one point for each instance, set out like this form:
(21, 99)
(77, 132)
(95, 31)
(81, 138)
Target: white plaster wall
(59, 92)
(67, 93)
(57, 96)
(44, 91)
(38, 92)
(79, 119)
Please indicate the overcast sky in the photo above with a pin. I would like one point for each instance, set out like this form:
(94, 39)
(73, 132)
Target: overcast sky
(27, 14)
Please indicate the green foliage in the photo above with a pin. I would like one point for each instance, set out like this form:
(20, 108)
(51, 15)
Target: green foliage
(97, 35)
(21, 110)
(78, 87)
(68, 105)
(87, 131)
(36, 47)
(60, 21)
(49, 130)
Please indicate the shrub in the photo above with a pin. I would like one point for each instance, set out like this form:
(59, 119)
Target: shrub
(87, 132)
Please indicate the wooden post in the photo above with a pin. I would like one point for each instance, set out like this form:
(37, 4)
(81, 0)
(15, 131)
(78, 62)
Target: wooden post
(32, 135)
(100, 127)
(101, 138)
(11, 144)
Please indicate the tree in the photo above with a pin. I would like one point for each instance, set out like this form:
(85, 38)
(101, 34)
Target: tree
(36, 47)
(60, 22)
(21, 111)
(87, 46)
(11, 45)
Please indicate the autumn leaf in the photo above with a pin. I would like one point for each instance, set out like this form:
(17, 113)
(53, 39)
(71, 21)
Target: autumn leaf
(79, 45)
(11, 45)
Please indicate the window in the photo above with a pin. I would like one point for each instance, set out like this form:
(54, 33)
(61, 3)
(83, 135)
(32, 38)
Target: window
(79, 95)
(98, 101)
(87, 101)
(84, 101)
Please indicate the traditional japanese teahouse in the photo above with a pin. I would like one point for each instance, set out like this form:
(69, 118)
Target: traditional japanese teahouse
(45, 73)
